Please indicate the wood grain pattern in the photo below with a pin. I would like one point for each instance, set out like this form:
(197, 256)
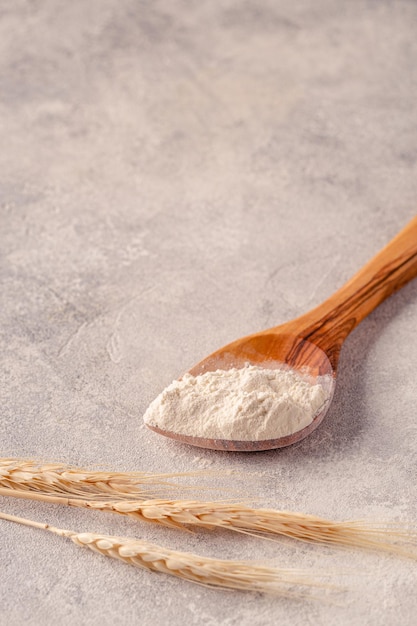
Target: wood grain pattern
(315, 339)
(328, 325)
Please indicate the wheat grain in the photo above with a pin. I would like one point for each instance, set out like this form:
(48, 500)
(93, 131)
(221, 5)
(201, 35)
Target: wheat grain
(241, 518)
(62, 479)
(228, 574)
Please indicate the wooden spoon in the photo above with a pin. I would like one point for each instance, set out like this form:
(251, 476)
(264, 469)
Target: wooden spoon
(314, 340)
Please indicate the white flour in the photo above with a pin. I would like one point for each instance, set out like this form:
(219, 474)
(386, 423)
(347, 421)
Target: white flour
(252, 403)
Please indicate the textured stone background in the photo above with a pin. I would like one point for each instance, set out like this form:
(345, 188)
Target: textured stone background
(174, 175)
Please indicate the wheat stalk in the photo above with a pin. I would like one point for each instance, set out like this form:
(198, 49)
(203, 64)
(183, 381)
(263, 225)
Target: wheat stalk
(228, 574)
(241, 518)
(62, 479)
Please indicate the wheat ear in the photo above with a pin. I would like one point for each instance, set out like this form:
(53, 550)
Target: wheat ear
(228, 574)
(241, 518)
(59, 478)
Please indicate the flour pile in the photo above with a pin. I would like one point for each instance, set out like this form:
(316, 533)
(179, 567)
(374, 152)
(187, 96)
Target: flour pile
(247, 404)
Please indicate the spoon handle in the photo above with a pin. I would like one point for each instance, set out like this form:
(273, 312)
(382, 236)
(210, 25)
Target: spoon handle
(329, 324)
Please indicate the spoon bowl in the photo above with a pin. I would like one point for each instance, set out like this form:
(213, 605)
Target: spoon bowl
(273, 351)
(311, 344)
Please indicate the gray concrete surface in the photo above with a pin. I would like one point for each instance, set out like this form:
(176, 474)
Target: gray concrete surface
(174, 175)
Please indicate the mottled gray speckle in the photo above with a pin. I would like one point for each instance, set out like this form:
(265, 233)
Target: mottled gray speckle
(175, 175)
